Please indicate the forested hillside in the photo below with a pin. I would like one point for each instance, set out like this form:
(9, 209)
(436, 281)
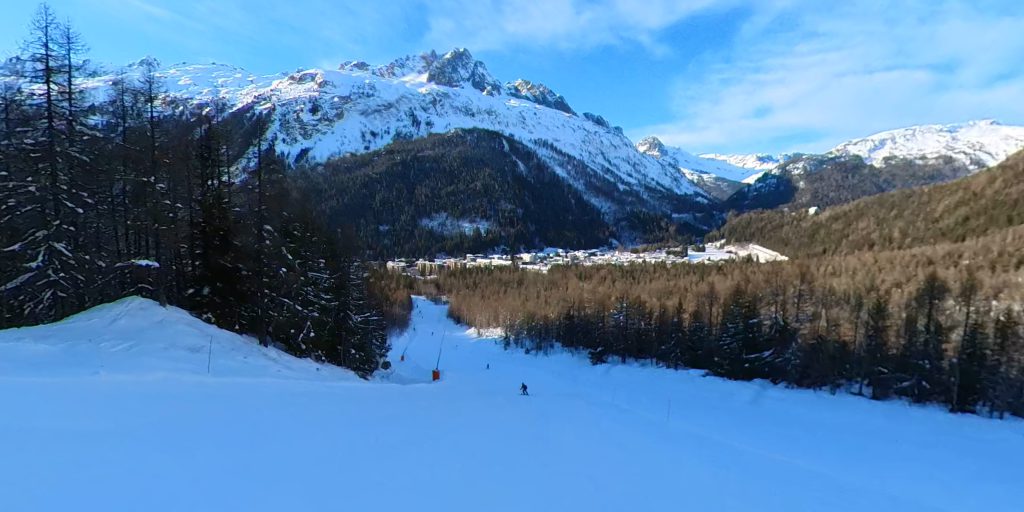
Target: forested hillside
(914, 293)
(903, 323)
(982, 204)
(464, 191)
(133, 194)
(829, 180)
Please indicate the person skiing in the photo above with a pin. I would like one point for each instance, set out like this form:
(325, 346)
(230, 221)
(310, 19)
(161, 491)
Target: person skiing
(522, 390)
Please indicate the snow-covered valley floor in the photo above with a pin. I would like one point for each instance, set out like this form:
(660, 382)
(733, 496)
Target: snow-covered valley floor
(114, 410)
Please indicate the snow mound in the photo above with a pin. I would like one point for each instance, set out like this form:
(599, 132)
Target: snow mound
(137, 337)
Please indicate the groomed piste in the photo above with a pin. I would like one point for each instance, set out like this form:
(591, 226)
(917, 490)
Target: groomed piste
(130, 406)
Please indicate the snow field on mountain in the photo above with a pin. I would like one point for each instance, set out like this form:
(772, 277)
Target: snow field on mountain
(980, 144)
(357, 105)
(114, 410)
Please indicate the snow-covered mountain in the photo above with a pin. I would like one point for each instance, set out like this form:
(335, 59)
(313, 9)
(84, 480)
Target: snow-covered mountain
(319, 114)
(907, 157)
(975, 144)
(684, 160)
(716, 176)
(755, 161)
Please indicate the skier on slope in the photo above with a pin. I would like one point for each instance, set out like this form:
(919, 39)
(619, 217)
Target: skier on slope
(522, 390)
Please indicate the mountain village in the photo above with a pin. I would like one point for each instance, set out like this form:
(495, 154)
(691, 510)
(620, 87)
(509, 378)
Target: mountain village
(544, 260)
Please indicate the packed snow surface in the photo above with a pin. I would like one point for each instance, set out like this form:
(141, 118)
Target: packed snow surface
(114, 410)
(136, 338)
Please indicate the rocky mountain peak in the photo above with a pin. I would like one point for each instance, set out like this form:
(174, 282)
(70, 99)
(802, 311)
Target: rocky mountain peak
(539, 94)
(458, 68)
(651, 146)
(146, 62)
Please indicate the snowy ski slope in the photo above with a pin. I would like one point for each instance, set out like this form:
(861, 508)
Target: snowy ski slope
(114, 410)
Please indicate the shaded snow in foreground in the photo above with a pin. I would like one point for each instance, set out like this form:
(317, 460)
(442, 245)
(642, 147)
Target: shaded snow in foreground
(114, 410)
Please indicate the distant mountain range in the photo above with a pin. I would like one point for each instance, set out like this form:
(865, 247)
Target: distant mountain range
(320, 115)
(890, 160)
(718, 177)
(963, 216)
(976, 144)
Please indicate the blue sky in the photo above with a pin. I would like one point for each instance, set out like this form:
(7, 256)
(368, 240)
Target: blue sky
(707, 75)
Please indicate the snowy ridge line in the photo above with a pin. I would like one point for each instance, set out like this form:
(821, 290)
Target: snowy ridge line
(976, 144)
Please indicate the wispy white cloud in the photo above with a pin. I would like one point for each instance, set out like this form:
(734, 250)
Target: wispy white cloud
(564, 24)
(338, 29)
(816, 73)
(327, 30)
